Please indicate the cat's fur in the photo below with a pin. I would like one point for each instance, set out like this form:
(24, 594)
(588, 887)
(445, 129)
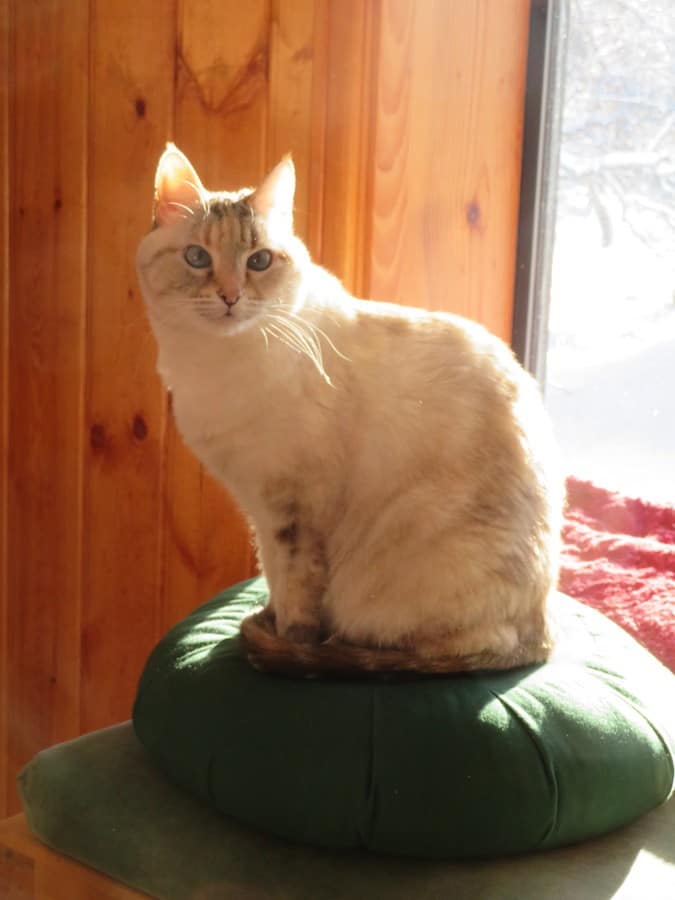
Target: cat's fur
(397, 464)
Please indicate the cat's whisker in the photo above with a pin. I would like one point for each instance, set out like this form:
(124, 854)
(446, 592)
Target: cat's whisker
(187, 209)
(305, 343)
(310, 343)
(324, 313)
(323, 334)
(274, 332)
(288, 337)
(170, 311)
(308, 333)
(197, 191)
(298, 341)
(316, 355)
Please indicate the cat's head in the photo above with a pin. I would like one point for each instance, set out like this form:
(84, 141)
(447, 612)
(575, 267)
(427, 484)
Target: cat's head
(217, 262)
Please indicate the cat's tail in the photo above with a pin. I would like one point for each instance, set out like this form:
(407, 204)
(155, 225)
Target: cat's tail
(269, 652)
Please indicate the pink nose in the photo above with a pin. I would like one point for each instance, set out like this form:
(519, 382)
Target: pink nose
(229, 299)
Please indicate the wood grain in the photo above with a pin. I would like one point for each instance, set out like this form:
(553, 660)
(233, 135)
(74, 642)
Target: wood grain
(221, 97)
(447, 155)
(220, 122)
(5, 68)
(207, 544)
(404, 119)
(17, 869)
(46, 344)
(31, 871)
(347, 32)
(131, 108)
(291, 78)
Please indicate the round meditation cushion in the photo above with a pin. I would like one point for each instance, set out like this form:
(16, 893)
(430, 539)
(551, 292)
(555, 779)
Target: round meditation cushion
(458, 766)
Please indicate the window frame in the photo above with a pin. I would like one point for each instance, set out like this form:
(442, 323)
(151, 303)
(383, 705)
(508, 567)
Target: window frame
(542, 125)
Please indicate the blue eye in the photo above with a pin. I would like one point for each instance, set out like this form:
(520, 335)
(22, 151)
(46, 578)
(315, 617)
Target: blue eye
(197, 257)
(259, 261)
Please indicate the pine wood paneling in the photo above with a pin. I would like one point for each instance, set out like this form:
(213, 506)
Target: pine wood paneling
(207, 543)
(292, 69)
(4, 382)
(221, 101)
(447, 155)
(404, 119)
(131, 106)
(46, 342)
(249, 98)
(347, 37)
(31, 871)
(220, 122)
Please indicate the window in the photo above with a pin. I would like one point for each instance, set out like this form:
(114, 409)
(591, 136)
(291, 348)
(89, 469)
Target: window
(607, 358)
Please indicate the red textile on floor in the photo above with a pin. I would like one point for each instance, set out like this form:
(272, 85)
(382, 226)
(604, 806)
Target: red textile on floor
(619, 557)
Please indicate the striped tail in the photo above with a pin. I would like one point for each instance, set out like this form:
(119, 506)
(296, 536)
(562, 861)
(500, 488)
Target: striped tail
(333, 658)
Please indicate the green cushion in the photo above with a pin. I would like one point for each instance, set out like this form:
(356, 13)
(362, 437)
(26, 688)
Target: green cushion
(463, 766)
(99, 799)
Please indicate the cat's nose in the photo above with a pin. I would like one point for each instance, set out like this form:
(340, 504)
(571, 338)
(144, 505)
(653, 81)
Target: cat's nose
(230, 300)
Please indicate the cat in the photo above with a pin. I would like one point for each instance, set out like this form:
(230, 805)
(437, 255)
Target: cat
(397, 465)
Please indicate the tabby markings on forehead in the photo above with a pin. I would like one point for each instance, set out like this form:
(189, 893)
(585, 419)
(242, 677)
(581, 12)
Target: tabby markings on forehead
(240, 211)
(219, 208)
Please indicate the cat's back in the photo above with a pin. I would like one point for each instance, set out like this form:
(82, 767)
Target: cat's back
(438, 380)
(435, 355)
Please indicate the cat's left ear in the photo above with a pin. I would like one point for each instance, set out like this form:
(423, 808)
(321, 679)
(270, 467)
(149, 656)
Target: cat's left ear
(178, 191)
(275, 194)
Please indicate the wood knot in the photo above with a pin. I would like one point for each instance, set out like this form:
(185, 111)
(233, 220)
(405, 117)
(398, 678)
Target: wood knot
(303, 54)
(473, 214)
(139, 428)
(140, 107)
(97, 436)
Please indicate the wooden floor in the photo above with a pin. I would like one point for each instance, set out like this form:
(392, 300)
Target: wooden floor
(31, 871)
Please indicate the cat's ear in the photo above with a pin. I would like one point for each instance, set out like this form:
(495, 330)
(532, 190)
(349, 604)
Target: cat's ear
(275, 194)
(178, 190)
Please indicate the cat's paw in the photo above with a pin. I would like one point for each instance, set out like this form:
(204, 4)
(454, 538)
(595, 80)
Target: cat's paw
(302, 633)
(268, 617)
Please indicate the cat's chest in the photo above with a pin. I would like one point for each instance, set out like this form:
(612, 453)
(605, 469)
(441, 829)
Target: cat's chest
(209, 414)
(201, 416)
(235, 429)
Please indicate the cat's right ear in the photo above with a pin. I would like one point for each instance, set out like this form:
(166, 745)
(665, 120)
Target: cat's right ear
(178, 191)
(275, 195)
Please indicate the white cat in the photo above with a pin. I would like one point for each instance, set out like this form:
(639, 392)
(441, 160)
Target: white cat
(397, 464)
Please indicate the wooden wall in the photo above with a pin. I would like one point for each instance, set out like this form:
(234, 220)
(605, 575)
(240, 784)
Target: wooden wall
(404, 118)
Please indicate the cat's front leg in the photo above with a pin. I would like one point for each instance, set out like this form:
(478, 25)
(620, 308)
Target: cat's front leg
(294, 561)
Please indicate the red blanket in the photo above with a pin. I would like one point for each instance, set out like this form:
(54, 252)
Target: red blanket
(619, 557)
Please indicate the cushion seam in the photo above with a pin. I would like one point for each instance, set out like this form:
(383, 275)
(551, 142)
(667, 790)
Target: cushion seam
(660, 734)
(367, 826)
(547, 765)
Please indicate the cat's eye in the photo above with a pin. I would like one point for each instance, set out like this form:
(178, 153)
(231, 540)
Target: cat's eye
(259, 261)
(197, 256)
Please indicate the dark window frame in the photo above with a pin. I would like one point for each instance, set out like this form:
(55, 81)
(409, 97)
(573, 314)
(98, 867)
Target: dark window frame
(544, 97)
